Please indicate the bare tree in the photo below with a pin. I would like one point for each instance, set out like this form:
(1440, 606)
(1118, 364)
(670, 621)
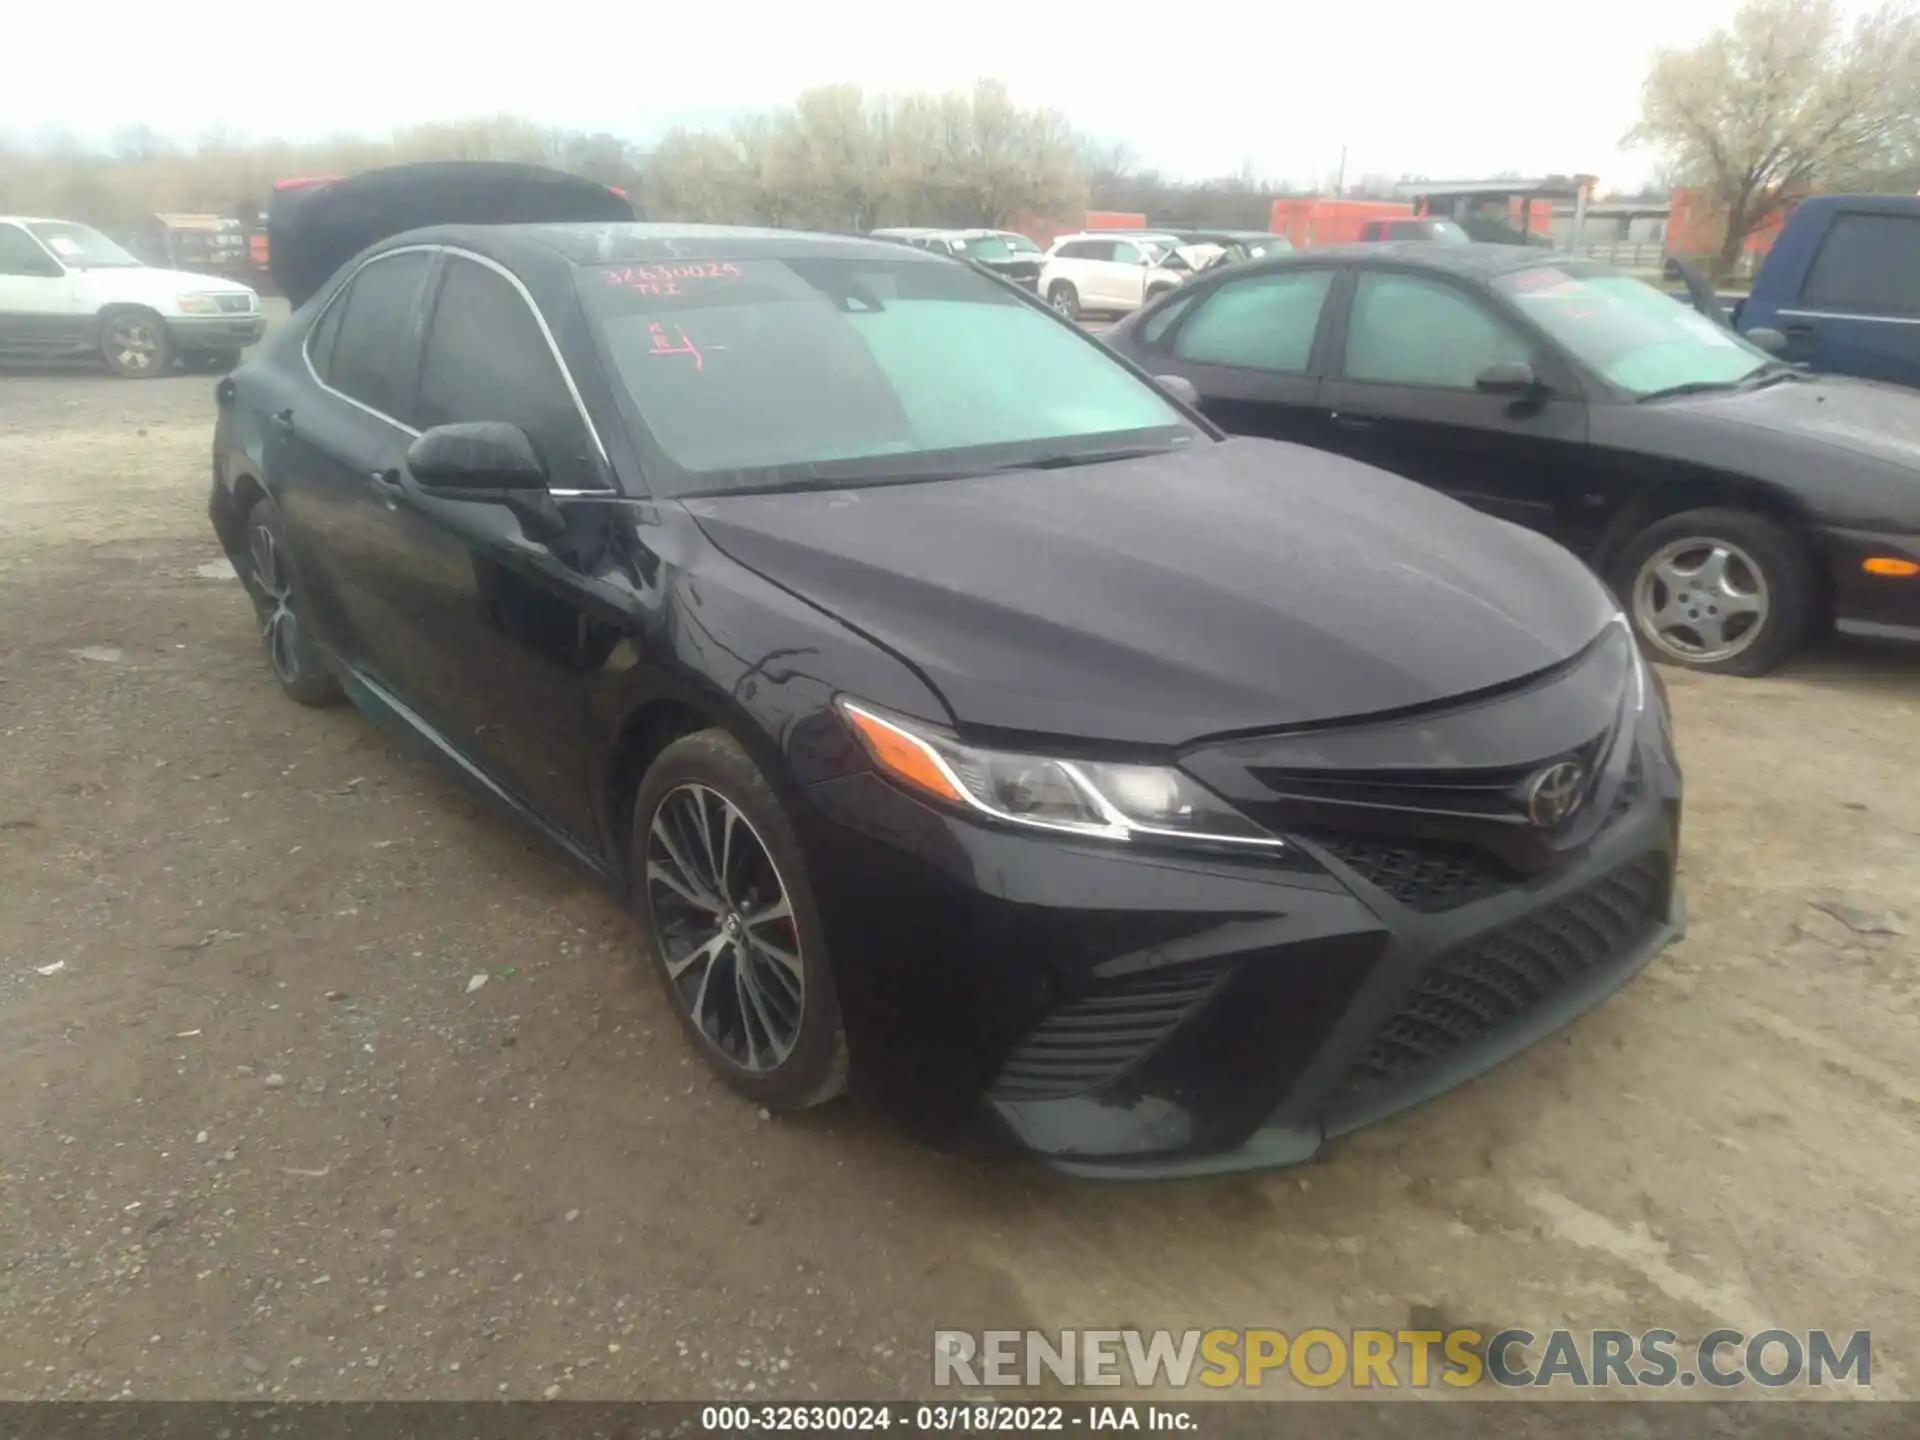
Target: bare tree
(1785, 99)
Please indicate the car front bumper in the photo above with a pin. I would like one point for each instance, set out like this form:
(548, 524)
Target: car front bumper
(1136, 1015)
(1880, 607)
(200, 334)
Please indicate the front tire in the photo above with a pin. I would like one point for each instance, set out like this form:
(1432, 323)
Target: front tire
(1724, 591)
(730, 916)
(136, 344)
(1064, 298)
(291, 654)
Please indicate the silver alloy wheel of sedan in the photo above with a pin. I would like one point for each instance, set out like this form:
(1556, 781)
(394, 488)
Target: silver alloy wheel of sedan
(279, 624)
(1701, 600)
(726, 927)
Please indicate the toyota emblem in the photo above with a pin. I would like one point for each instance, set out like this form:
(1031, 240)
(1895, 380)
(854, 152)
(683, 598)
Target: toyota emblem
(1555, 793)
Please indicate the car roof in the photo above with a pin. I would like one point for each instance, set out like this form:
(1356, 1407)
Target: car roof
(1476, 258)
(638, 242)
(37, 220)
(1863, 204)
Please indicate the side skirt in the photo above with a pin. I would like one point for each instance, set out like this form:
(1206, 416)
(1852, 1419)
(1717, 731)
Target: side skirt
(388, 711)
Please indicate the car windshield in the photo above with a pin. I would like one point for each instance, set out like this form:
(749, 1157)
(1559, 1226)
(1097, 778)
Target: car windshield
(815, 371)
(1020, 245)
(1635, 335)
(81, 246)
(1447, 232)
(983, 247)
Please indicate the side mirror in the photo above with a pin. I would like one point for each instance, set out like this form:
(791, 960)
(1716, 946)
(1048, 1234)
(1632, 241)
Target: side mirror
(1767, 338)
(1180, 388)
(1508, 377)
(489, 461)
(484, 455)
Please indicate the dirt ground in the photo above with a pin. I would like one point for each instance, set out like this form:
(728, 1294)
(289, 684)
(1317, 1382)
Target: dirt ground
(266, 1133)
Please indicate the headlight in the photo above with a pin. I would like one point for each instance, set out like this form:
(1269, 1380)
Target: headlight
(1079, 797)
(197, 305)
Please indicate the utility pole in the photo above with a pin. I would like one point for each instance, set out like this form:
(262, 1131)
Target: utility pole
(1340, 176)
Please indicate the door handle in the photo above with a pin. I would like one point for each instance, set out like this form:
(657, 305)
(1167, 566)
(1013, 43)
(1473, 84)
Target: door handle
(1352, 422)
(283, 421)
(1798, 330)
(385, 484)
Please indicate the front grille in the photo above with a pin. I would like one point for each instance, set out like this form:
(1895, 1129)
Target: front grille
(1095, 1037)
(1433, 875)
(1420, 875)
(234, 304)
(1471, 993)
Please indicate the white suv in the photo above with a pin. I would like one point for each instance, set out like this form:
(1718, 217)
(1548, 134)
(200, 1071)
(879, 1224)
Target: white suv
(1109, 274)
(66, 290)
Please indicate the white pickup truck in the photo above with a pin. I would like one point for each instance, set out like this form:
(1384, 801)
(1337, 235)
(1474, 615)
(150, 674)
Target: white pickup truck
(67, 290)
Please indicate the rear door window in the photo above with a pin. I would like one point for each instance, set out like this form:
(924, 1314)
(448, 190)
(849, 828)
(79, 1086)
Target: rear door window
(372, 354)
(488, 359)
(1265, 322)
(1868, 265)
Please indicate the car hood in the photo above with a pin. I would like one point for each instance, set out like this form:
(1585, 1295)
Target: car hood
(1235, 587)
(1849, 450)
(1860, 415)
(148, 286)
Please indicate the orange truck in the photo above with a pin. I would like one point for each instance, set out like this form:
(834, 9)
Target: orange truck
(1311, 220)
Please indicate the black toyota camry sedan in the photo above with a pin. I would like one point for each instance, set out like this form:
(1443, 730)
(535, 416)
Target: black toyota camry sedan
(950, 700)
(1738, 505)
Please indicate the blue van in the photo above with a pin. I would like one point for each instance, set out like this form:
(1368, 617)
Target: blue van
(1843, 287)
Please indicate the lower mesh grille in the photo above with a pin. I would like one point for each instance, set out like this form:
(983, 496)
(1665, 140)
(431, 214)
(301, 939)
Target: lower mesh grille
(1095, 1037)
(1468, 994)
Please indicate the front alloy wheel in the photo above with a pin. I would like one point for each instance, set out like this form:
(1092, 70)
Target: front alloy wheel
(728, 940)
(1726, 591)
(723, 887)
(1701, 601)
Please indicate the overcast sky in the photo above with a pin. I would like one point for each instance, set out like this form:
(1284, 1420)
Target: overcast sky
(1450, 90)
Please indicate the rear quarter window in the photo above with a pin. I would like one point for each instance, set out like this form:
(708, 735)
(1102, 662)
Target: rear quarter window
(372, 352)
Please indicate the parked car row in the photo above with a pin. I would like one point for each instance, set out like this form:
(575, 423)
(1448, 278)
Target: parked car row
(1010, 713)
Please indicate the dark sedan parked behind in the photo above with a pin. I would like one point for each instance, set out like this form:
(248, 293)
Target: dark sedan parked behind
(944, 694)
(1735, 503)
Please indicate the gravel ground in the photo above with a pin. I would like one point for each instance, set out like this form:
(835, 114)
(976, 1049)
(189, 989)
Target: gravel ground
(322, 1082)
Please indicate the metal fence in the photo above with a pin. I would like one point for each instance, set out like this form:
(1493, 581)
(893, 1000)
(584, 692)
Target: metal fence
(1647, 255)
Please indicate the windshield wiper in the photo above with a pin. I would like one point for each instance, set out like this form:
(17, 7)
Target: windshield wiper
(1770, 373)
(1085, 457)
(1691, 387)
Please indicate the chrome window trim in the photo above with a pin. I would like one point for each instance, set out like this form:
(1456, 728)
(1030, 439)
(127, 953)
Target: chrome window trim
(526, 297)
(306, 341)
(1850, 315)
(553, 348)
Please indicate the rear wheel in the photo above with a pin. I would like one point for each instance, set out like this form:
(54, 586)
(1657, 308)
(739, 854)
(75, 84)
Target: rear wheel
(1725, 591)
(291, 655)
(731, 919)
(1064, 298)
(136, 344)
